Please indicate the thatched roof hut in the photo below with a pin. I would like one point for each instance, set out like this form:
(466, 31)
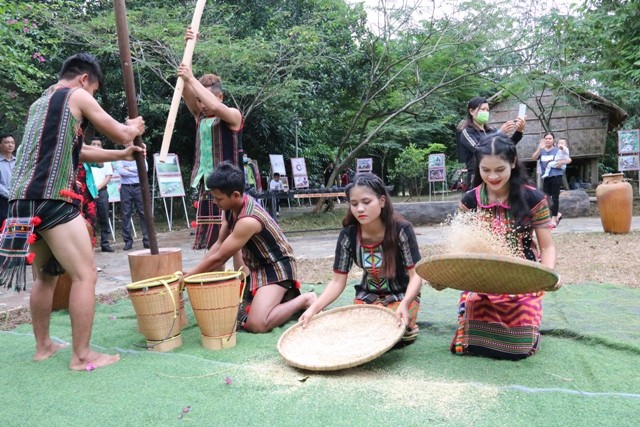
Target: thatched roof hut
(582, 118)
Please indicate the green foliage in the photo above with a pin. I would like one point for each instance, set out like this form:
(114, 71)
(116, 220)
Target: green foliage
(27, 41)
(357, 91)
(411, 168)
(435, 148)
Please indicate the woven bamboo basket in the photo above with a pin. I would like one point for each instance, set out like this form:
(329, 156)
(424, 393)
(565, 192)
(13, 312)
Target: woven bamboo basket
(215, 298)
(490, 274)
(156, 302)
(341, 338)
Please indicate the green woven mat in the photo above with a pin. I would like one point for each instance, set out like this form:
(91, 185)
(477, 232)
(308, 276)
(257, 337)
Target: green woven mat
(586, 373)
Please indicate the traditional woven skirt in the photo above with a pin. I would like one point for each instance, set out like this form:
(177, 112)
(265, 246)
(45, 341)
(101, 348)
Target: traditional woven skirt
(208, 221)
(25, 219)
(498, 326)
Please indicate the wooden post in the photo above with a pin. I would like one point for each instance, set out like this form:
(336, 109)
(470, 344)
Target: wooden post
(177, 94)
(132, 108)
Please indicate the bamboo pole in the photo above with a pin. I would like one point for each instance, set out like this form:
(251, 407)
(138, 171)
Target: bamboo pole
(177, 94)
(132, 107)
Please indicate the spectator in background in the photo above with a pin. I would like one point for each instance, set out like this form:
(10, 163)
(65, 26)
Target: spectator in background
(344, 178)
(327, 174)
(547, 152)
(252, 182)
(351, 174)
(102, 173)
(276, 185)
(474, 128)
(561, 160)
(7, 161)
(130, 194)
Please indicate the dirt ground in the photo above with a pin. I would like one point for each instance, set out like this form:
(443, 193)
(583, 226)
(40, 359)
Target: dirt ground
(582, 258)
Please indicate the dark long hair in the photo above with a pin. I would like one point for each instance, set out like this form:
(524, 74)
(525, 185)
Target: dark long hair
(471, 105)
(500, 145)
(389, 218)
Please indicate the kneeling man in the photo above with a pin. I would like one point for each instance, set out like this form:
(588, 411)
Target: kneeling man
(266, 253)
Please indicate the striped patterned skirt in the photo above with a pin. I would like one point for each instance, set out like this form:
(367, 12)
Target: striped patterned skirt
(208, 221)
(498, 326)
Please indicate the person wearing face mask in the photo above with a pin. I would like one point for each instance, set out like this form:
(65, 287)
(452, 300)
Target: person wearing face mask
(474, 128)
(252, 184)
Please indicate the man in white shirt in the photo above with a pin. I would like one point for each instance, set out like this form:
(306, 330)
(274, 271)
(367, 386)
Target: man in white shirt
(276, 185)
(102, 177)
(130, 195)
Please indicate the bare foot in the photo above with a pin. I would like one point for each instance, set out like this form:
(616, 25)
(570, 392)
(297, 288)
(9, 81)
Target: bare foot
(309, 298)
(93, 361)
(48, 351)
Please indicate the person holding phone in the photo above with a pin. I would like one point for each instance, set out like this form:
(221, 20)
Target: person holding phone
(474, 128)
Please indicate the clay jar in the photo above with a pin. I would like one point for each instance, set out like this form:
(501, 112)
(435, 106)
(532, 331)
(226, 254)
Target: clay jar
(615, 199)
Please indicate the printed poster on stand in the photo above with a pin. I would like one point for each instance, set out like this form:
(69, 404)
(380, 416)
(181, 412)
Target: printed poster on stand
(629, 163)
(436, 160)
(628, 141)
(169, 176)
(277, 164)
(364, 165)
(299, 168)
(113, 188)
(437, 171)
(437, 175)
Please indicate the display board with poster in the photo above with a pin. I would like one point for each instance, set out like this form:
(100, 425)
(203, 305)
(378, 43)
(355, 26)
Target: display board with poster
(436, 172)
(169, 176)
(364, 165)
(437, 175)
(113, 188)
(628, 150)
(437, 168)
(299, 168)
(628, 141)
(301, 181)
(277, 164)
(629, 162)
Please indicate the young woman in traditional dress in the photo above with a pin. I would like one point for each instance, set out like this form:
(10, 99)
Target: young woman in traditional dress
(505, 326)
(384, 246)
